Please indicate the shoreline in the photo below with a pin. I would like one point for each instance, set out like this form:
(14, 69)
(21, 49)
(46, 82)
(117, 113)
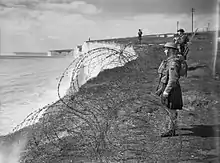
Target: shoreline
(120, 100)
(78, 79)
(26, 56)
(32, 97)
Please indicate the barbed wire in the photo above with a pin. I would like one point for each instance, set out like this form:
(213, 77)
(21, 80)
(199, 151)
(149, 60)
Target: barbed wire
(91, 127)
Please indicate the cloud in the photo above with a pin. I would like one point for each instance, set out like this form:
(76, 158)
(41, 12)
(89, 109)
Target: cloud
(122, 7)
(74, 7)
(59, 6)
(19, 3)
(116, 9)
(168, 7)
(26, 30)
(44, 30)
(53, 24)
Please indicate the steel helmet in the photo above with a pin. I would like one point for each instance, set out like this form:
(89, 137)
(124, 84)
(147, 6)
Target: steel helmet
(170, 45)
(181, 30)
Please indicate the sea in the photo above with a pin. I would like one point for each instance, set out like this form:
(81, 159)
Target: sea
(28, 83)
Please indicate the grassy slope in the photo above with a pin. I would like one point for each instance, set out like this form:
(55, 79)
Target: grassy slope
(121, 127)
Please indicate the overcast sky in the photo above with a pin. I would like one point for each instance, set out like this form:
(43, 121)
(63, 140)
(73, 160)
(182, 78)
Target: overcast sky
(40, 25)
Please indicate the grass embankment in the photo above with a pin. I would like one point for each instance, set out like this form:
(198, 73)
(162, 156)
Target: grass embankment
(114, 117)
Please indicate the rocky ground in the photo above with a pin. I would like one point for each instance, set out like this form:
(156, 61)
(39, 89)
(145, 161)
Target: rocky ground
(115, 118)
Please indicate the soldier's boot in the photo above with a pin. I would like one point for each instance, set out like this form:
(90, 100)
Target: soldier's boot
(169, 133)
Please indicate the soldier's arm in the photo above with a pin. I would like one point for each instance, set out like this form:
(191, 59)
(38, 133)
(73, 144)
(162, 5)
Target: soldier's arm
(187, 39)
(183, 39)
(173, 76)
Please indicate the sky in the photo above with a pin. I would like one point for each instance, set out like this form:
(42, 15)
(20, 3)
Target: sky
(41, 25)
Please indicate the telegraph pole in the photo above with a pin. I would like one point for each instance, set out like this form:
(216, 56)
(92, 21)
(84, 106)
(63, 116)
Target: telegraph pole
(0, 41)
(177, 25)
(208, 27)
(193, 10)
(215, 45)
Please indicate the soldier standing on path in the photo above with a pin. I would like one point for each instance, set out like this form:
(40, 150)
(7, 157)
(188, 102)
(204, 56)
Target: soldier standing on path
(181, 40)
(169, 87)
(140, 35)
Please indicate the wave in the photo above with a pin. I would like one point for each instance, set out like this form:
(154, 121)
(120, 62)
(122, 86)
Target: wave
(27, 85)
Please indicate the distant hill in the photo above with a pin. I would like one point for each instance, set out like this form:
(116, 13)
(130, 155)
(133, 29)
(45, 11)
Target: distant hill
(30, 53)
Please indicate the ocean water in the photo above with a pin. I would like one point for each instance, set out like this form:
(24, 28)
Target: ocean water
(27, 84)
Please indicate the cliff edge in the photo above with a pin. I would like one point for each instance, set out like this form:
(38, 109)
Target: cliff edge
(115, 118)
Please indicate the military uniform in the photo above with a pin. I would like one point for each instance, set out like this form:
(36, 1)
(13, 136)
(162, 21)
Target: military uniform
(169, 75)
(181, 42)
(140, 36)
(169, 83)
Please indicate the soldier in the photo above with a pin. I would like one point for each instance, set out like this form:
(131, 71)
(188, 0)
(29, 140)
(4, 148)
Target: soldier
(169, 87)
(181, 42)
(140, 35)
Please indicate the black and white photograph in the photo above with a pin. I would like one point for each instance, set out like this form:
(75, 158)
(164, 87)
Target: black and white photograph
(109, 81)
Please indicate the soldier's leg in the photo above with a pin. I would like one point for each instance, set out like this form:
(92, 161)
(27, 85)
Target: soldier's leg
(172, 124)
(173, 117)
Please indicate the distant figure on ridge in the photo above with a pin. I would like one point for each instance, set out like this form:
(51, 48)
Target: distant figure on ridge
(181, 40)
(140, 35)
(169, 90)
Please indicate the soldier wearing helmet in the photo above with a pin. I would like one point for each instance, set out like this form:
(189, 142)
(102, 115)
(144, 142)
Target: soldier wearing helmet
(140, 35)
(169, 87)
(181, 40)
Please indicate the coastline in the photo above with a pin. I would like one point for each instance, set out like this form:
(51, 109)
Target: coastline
(119, 93)
(37, 78)
(26, 56)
